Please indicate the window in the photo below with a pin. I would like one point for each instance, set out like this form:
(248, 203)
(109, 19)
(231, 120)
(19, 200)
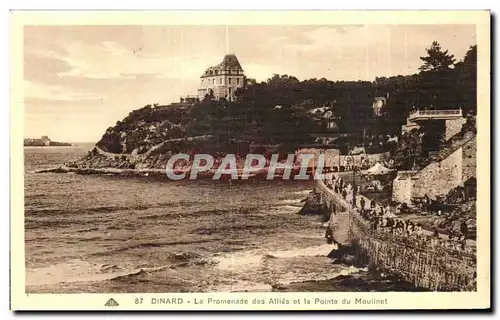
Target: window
(237, 80)
(216, 72)
(220, 80)
(213, 81)
(230, 81)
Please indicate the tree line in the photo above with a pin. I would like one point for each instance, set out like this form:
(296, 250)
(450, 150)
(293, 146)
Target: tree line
(277, 111)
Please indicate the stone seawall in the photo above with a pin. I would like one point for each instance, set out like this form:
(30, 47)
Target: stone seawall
(434, 268)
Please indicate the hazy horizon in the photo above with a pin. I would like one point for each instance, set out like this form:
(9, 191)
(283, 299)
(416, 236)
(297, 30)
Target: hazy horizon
(80, 80)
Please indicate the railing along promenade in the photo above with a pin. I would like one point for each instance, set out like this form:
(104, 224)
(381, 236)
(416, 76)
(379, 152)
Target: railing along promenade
(435, 114)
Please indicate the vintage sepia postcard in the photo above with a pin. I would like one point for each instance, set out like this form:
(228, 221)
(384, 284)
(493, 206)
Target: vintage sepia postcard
(250, 160)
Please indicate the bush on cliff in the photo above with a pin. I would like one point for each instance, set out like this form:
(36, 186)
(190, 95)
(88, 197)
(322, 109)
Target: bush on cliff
(225, 121)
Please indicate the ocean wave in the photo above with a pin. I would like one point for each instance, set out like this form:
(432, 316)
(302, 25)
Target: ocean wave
(109, 209)
(191, 212)
(285, 209)
(322, 250)
(150, 244)
(303, 192)
(253, 258)
(333, 273)
(297, 202)
(189, 208)
(232, 228)
(74, 271)
(277, 270)
(243, 286)
(91, 210)
(84, 271)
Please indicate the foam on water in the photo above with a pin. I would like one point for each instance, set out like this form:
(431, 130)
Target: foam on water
(236, 261)
(295, 202)
(75, 271)
(249, 262)
(303, 192)
(316, 251)
(286, 209)
(250, 259)
(244, 286)
(80, 271)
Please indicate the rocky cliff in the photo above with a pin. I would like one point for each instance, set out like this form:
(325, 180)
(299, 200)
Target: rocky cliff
(147, 137)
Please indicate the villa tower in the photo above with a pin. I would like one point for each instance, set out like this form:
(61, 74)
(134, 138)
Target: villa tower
(223, 79)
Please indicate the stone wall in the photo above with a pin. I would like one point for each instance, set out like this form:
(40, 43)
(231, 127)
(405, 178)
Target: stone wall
(469, 159)
(453, 127)
(434, 269)
(401, 189)
(438, 178)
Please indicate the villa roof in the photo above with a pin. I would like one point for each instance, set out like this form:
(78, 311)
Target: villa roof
(230, 62)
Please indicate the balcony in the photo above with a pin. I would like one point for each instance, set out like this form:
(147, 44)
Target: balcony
(435, 115)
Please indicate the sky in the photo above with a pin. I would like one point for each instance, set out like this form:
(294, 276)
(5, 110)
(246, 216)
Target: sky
(80, 80)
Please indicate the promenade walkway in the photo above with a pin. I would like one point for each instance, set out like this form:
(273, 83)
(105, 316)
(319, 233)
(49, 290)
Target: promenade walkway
(418, 219)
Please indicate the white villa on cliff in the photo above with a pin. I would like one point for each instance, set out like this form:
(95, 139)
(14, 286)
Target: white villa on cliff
(223, 79)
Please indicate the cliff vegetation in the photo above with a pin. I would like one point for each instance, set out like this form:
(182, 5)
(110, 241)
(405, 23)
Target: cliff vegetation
(283, 112)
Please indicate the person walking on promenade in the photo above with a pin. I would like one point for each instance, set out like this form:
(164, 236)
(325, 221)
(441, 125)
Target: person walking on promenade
(372, 204)
(388, 210)
(435, 233)
(427, 199)
(330, 239)
(362, 203)
(464, 229)
(344, 193)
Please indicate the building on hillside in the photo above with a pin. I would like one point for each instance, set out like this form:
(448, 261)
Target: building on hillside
(46, 140)
(43, 141)
(378, 104)
(189, 99)
(409, 126)
(222, 80)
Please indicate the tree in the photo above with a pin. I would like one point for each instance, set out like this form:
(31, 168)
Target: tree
(437, 59)
(436, 83)
(467, 80)
(251, 81)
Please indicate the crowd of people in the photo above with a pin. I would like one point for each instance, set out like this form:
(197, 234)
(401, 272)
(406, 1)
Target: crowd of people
(383, 221)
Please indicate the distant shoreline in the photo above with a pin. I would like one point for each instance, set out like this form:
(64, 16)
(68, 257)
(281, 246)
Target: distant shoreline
(37, 146)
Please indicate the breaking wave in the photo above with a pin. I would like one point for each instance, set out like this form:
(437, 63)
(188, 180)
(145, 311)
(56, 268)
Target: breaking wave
(303, 192)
